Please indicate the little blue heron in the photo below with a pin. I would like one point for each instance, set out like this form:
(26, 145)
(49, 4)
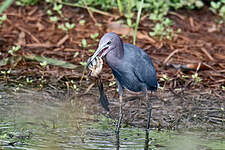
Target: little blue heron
(132, 68)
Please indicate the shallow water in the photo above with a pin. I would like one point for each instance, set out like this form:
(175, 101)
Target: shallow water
(34, 120)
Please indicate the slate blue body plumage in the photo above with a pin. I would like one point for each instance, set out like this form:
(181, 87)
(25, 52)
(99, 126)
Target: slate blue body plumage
(134, 71)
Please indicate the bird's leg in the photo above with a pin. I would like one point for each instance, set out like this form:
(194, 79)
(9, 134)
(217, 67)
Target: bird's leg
(120, 88)
(119, 122)
(120, 115)
(149, 112)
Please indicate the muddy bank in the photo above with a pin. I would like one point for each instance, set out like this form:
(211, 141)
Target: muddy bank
(171, 109)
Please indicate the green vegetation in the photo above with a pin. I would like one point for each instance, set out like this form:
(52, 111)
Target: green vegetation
(67, 26)
(3, 18)
(73, 85)
(223, 88)
(91, 50)
(94, 36)
(156, 10)
(165, 79)
(75, 54)
(54, 18)
(196, 78)
(218, 8)
(83, 63)
(102, 4)
(6, 72)
(13, 50)
(84, 43)
(137, 21)
(58, 8)
(50, 61)
(82, 22)
(26, 2)
(5, 5)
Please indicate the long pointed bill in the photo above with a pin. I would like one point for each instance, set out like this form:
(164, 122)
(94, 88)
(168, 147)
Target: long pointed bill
(97, 52)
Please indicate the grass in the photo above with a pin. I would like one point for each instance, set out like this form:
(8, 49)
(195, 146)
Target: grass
(137, 21)
(5, 5)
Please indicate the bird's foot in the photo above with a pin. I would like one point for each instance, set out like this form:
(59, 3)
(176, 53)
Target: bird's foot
(96, 66)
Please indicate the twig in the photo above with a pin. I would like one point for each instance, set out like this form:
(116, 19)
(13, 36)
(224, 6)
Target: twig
(199, 65)
(24, 30)
(177, 94)
(63, 40)
(90, 12)
(90, 9)
(32, 36)
(89, 87)
(176, 14)
(37, 45)
(209, 66)
(171, 54)
(207, 54)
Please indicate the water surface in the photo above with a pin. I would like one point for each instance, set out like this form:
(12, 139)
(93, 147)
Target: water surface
(34, 120)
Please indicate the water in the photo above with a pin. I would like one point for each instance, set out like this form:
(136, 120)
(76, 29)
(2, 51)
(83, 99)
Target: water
(34, 120)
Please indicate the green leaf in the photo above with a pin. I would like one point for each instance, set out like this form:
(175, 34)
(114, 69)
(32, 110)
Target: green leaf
(82, 22)
(94, 36)
(5, 5)
(83, 63)
(54, 18)
(51, 61)
(222, 11)
(199, 4)
(91, 50)
(75, 54)
(69, 26)
(84, 43)
(4, 62)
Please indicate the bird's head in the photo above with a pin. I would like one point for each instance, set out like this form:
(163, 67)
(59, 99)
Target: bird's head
(107, 43)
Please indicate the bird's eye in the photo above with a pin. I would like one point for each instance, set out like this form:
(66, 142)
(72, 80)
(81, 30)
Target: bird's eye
(109, 43)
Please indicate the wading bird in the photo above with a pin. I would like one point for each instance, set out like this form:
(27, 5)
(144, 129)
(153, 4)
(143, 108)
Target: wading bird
(132, 68)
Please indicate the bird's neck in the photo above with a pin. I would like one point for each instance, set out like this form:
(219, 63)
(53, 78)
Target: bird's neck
(119, 52)
(114, 57)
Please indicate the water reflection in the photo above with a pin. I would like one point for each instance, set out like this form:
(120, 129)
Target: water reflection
(35, 120)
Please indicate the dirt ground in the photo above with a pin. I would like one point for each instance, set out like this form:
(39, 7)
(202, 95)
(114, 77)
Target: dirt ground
(183, 102)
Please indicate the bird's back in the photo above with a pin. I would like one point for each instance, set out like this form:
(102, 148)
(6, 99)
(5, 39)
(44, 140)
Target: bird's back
(135, 70)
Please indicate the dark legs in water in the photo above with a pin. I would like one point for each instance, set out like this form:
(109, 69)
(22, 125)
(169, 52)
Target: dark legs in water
(119, 123)
(149, 113)
(120, 117)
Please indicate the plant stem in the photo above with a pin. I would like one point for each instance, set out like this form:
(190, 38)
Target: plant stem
(120, 7)
(5, 5)
(137, 21)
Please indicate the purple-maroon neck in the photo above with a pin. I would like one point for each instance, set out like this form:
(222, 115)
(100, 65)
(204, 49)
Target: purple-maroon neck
(116, 54)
